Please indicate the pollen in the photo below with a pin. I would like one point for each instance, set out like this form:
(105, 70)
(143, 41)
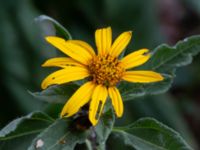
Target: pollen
(106, 70)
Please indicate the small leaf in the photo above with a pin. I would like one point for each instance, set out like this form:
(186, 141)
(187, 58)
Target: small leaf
(59, 136)
(56, 93)
(49, 26)
(30, 124)
(148, 133)
(165, 60)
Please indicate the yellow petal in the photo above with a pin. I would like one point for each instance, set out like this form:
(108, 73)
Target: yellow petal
(142, 76)
(62, 62)
(78, 99)
(97, 103)
(116, 100)
(84, 45)
(75, 51)
(65, 75)
(103, 38)
(120, 43)
(135, 59)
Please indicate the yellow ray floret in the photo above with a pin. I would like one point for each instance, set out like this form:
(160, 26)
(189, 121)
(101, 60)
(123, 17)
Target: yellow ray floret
(116, 100)
(120, 43)
(79, 98)
(135, 59)
(62, 62)
(65, 75)
(73, 50)
(142, 76)
(85, 45)
(103, 38)
(99, 96)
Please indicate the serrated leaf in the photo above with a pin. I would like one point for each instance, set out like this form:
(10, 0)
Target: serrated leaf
(59, 136)
(49, 26)
(56, 93)
(165, 60)
(104, 128)
(27, 125)
(148, 133)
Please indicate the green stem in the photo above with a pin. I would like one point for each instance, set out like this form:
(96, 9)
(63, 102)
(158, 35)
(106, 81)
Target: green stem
(88, 144)
(92, 139)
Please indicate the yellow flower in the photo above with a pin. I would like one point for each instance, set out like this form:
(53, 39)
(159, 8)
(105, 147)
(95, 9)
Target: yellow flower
(104, 71)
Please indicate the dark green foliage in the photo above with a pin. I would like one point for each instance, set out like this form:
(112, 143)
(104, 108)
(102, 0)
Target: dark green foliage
(147, 133)
(19, 133)
(59, 136)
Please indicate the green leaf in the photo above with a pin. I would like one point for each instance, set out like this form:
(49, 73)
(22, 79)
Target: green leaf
(104, 128)
(148, 133)
(27, 125)
(152, 106)
(56, 93)
(49, 26)
(165, 60)
(21, 143)
(23, 130)
(59, 136)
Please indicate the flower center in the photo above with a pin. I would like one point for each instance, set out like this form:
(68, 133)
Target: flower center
(106, 70)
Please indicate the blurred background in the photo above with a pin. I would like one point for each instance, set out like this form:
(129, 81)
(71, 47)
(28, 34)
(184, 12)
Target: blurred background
(23, 50)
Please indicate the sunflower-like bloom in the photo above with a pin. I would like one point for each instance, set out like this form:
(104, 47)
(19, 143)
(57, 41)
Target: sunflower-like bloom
(103, 70)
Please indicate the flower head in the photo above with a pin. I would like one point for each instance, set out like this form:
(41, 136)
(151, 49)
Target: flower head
(104, 71)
